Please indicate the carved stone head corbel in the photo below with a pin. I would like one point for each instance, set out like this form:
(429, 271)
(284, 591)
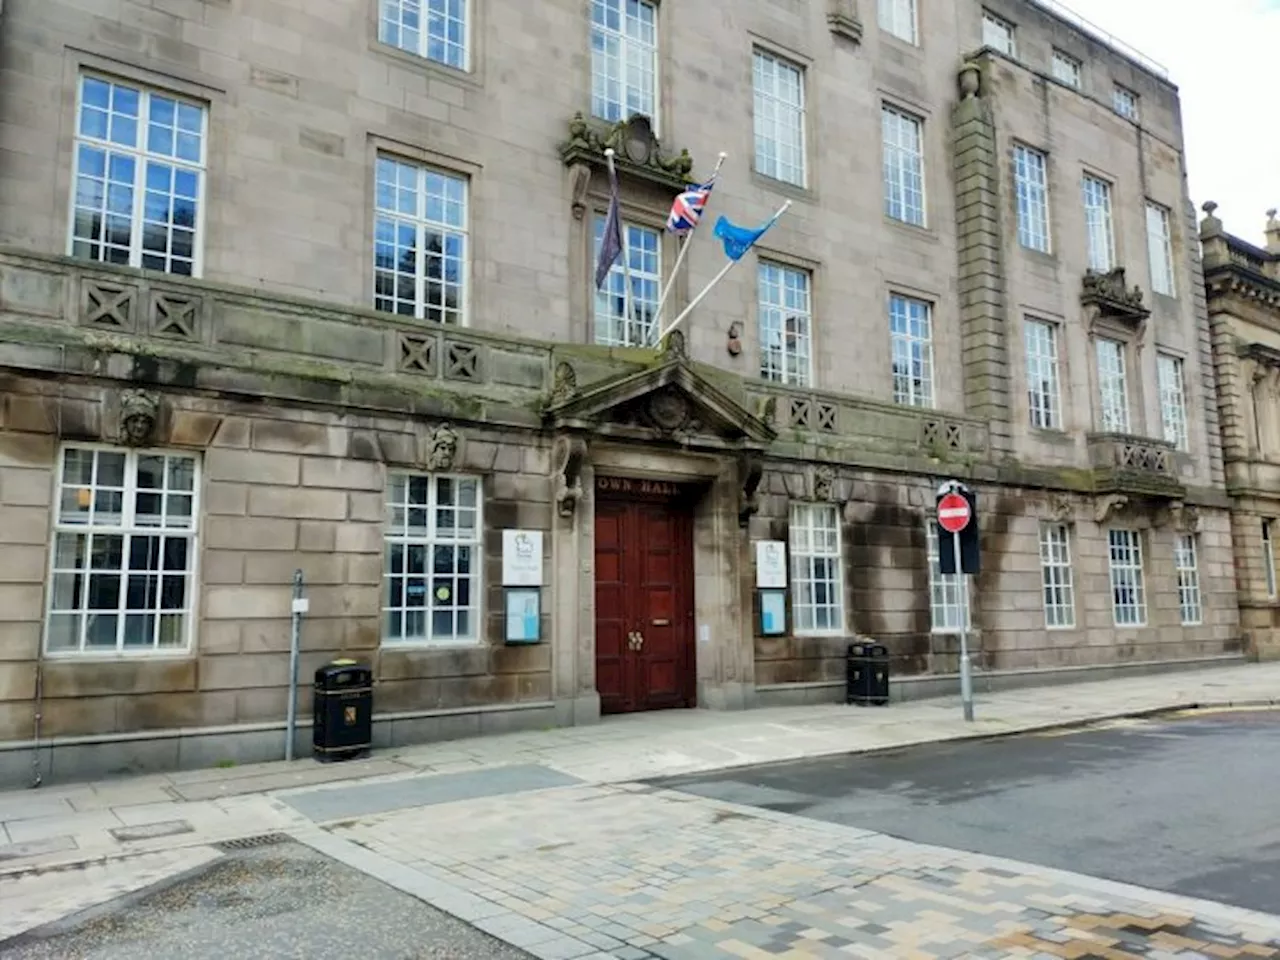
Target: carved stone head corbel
(1060, 509)
(442, 448)
(139, 414)
(822, 483)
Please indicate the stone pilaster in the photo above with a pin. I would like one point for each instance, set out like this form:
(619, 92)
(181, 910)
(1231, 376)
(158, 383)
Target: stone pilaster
(1211, 343)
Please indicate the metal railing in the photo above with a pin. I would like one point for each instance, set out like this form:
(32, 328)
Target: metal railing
(1110, 40)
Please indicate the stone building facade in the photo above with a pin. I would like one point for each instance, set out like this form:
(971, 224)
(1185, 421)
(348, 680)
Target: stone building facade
(1243, 286)
(310, 286)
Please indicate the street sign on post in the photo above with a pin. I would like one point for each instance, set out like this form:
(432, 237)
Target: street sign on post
(957, 521)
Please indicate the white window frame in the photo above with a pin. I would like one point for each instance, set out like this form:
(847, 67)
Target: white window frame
(392, 15)
(448, 192)
(1067, 69)
(902, 143)
(143, 159)
(1113, 385)
(912, 350)
(810, 522)
(776, 118)
(1269, 558)
(642, 251)
(128, 529)
(1160, 249)
(899, 18)
(1128, 589)
(784, 302)
(1056, 577)
(1186, 561)
(1099, 225)
(632, 70)
(1125, 102)
(1044, 394)
(1171, 379)
(949, 608)
(999, 34)
(402, 535)
(1031, 188)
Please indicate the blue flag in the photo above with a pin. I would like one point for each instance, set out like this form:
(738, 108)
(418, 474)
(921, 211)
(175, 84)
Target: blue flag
(738, 240)
(611, 244)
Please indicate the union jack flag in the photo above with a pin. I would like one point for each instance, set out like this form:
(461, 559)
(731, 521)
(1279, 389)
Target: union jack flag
(687, 209)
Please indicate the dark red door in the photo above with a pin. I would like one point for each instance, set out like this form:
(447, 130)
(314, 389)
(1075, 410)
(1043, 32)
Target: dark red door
(644, 606)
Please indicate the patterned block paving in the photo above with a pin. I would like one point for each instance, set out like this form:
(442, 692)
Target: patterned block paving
(632, 872)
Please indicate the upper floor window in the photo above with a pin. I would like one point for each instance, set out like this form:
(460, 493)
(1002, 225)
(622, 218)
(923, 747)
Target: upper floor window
(1128, 590)
(817, 584)
(1031, 184)
(1055, 576)
(911, 340)
(1125, 102)
(1160, 249)
(624, 318)
(948, 593)
(903, 166)
(898, 17)
(1043, 396)
(1097, 217)
(998, 33)
(1113, 386)
(139, 177)
(785, 324)
(433, 559)
(1067, 69)
(435, 29)
(624, 59)
(420, 242)
(1173, 399)
(779, 118)
(124, 547)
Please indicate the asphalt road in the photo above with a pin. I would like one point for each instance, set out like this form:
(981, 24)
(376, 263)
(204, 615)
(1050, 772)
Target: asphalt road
(284, 900)
(1190, 805)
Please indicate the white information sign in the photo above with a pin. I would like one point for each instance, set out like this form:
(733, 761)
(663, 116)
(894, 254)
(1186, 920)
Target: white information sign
(522, 558)
(771, 564)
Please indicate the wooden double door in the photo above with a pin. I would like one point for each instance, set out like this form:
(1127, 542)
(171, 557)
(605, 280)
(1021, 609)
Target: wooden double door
(644, 604)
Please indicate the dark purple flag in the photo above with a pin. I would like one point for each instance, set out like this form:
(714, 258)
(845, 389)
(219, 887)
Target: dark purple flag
(611, 243)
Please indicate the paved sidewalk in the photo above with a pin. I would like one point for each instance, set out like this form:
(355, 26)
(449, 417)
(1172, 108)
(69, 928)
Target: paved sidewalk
(76, 824)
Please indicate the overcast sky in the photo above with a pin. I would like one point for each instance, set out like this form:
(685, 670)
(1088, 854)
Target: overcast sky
(1224, 55)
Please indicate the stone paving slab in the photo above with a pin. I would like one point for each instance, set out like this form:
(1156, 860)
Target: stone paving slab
(634, 871)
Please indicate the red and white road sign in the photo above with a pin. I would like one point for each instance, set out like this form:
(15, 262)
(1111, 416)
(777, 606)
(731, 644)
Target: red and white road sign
(954, 513)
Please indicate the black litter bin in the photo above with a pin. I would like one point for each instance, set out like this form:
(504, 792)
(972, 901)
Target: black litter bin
(867, 675)
(343, 724)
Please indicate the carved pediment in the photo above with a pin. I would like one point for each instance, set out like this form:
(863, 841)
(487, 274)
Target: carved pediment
(669, 402)
(1110, 295)
(636, 148)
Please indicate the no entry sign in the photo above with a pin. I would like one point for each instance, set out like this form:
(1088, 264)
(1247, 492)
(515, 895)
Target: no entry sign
(954, 513)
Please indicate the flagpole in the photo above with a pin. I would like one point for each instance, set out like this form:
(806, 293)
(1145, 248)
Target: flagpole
(714, 280)
(626, 258)
(684, 248)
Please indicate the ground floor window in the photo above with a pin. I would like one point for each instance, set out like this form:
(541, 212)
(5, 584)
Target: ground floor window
(1055, 572)
(817, 584)
(948, 594)
(1128, 593)
(1187, 562)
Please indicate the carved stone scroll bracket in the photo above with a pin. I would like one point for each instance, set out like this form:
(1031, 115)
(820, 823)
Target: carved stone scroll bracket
(842, 19)
(750, 473)
(1059, 509)
(1109, 506)
(139, 414)
(1183, 517)
(567, 458)
(579, 182)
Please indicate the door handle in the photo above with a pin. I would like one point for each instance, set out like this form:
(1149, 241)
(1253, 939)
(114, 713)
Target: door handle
(635, 640)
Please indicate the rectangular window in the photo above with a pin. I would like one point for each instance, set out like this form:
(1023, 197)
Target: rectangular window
(998, 34)
(1128, 594)
(624, 59)
(779, 118)
(903, 143)
(1188, 566)
(1125, 102)
(621, 320)
(1067, 69)
(433, 559)
(948, 595)
(1030, 174)
(1097, 218)
(1113, 386)
(785, 322)
(1160, 249)
(898, 17)
(1055, 573)
(817, 586)
(1044, 399)
(911, 339)
(1268, 558)
(435, 29)
(1173, 400)
(124, 549)
(139, 178)
(420, 249)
